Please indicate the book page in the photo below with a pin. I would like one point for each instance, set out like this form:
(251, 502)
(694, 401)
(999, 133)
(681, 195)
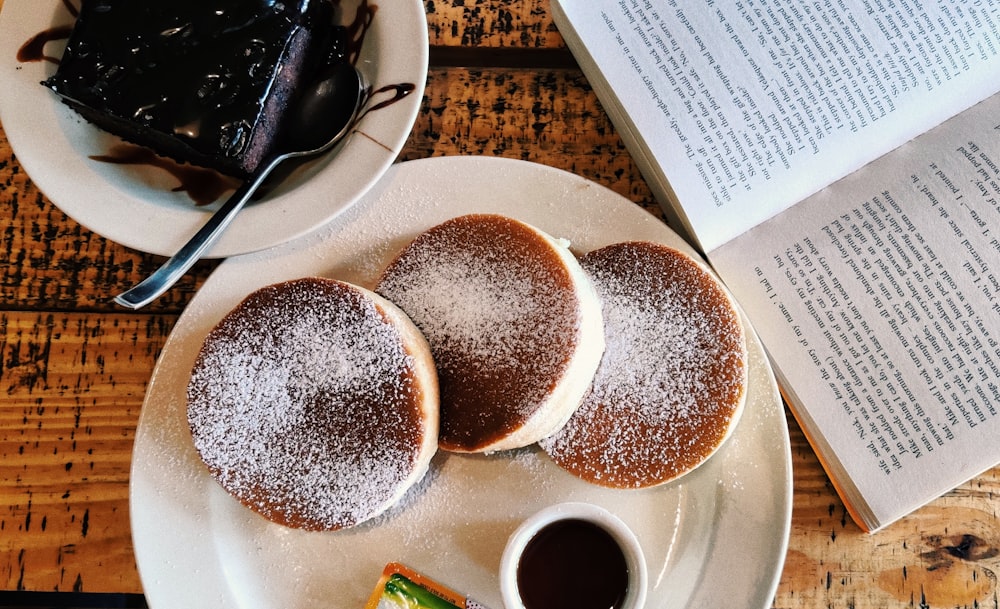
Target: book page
(878, 300)
(740, 109)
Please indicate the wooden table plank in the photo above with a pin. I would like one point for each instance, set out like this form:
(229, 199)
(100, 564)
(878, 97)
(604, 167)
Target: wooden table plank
(73, 386)
(550, 117)
(491, 24)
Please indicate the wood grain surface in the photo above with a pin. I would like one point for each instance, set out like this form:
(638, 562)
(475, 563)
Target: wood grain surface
(74, 368)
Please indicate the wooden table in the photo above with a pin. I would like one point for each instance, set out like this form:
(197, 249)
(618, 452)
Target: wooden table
(74, 367)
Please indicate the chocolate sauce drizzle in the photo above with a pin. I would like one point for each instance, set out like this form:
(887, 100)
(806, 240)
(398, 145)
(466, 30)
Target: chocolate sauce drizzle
(202, 185)
(398, 92)
(34, 48)
(358, 29)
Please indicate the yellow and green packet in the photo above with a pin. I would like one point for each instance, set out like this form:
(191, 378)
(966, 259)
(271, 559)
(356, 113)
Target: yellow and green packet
(403, 588)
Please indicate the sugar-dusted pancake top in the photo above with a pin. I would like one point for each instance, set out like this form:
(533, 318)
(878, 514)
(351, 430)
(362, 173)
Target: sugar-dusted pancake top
(672, 382)
(512, 322)
(312, 404)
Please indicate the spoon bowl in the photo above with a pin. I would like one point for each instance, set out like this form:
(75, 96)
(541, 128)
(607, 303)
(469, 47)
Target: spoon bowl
(324, 112)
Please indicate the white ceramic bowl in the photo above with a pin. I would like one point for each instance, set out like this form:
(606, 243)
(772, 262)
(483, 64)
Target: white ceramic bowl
(635, 596)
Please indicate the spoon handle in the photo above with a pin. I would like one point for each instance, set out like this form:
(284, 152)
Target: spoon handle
(319, 96)
(173, 269)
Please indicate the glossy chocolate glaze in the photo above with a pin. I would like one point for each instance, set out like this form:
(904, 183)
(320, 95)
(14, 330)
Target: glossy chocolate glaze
(199, 80)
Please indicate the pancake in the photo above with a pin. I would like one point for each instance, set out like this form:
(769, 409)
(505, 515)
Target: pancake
(673, 379)
(513, 323)
(314, 403)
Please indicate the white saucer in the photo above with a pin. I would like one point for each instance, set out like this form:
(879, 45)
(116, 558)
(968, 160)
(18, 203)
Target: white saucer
(134, 204)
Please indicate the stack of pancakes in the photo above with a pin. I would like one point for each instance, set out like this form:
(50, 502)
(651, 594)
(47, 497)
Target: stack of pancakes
(318, 403)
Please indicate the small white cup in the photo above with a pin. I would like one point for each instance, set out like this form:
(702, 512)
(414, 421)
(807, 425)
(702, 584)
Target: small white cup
(635, 561)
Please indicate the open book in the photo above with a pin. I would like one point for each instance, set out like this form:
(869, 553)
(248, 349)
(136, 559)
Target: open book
(840, 169)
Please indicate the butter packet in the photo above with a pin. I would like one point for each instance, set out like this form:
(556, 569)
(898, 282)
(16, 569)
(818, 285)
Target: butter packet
(403, 588)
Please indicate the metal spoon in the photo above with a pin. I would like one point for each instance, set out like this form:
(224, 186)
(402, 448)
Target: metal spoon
(323, 115)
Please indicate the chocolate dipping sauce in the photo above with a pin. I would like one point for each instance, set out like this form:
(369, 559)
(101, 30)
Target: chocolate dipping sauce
(572, 564)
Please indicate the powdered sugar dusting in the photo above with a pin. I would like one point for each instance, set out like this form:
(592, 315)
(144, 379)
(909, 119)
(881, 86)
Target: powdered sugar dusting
(468, 305)
(673, 374)
(500, 313)
(303, 405)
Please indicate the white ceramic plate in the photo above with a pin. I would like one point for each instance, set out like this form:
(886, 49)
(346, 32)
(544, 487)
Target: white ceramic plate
(715, 538)
(135, 206)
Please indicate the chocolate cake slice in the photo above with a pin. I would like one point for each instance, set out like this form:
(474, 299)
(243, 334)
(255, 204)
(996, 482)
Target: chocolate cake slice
(200, 81)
